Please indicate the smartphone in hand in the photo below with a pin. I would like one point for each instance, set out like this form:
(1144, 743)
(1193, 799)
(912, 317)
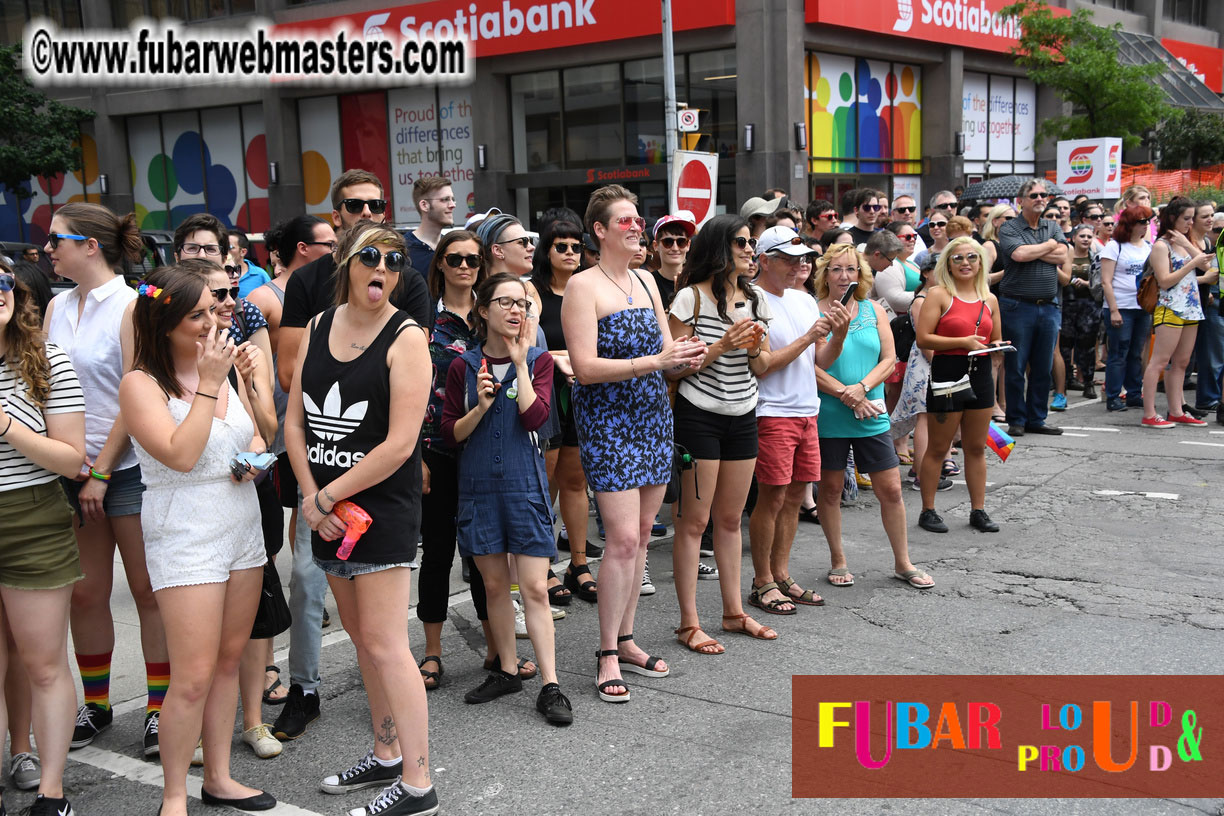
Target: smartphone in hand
(849, 293)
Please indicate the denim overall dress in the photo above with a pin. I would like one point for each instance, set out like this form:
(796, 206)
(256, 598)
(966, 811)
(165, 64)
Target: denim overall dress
(503, 489)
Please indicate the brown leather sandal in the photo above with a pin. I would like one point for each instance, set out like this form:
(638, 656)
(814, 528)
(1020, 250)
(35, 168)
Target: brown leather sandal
(685, 636)
(764, 633)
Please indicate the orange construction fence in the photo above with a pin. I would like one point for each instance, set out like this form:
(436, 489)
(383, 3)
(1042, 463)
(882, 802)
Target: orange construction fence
(1164, 183)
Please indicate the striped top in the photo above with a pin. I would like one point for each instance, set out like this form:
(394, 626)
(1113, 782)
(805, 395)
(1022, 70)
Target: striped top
(726, 386)
(65, 398)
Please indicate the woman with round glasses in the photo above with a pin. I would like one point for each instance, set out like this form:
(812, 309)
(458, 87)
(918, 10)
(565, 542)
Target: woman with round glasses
(497, 397)
(347, 443)
(42, 438)
(92, 323)
(960, 316)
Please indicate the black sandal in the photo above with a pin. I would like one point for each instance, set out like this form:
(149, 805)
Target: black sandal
(267, 695)
(583, 589)
(558, 595)
(495, 665)
(607, 696)
(647, 669)
(809, 514)
(435, 676)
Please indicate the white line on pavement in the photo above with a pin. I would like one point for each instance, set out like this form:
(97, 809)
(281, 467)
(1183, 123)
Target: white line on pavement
(1075, 428)
(1204, 444)
(962, 481)
(1169, 496)
(1074, 434)
(1082, 403)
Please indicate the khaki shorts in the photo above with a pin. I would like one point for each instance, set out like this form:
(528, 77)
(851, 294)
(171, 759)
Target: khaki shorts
(38, 549)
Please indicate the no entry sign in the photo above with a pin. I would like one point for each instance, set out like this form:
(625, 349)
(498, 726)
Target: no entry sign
(694, 176)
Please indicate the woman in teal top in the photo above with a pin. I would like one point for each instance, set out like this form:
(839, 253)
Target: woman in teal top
(852, 414)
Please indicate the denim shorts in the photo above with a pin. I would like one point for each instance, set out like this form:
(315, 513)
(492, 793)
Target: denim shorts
(123, 496)
(349, 570)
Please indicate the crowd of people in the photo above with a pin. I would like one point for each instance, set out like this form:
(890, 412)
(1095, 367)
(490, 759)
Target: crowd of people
(449, 385)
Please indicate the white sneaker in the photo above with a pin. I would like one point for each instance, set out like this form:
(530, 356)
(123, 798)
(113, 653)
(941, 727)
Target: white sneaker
(261, 741)
(520, 621)
(557, 612)
(197, 756)
(648, 588)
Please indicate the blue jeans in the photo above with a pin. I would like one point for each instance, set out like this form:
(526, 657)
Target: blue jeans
(1210, 355)
(1033, 330)
(307, 588)
(1124, 365)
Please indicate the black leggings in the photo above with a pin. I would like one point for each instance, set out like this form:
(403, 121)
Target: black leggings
(438, 509)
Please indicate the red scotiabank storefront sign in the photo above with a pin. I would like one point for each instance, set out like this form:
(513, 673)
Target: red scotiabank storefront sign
(1205, 62)
(495, 27)
(968, 23)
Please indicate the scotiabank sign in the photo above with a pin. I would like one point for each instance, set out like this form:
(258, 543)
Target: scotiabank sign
(968, 23)
(494, 27)
(1204, 62)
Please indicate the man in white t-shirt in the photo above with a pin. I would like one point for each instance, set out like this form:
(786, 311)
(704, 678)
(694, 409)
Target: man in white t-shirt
(787, 405)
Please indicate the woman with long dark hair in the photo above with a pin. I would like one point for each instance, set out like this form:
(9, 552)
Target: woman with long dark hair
(1127, 326)
(42, 437)
(715, 421)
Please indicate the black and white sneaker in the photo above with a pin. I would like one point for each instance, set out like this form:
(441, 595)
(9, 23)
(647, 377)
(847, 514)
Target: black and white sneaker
(151, 746)
(396, 801)
(51, 807)
(300, 710)
(368, 772)
(91, 721)
(648, 587)
(705, 572)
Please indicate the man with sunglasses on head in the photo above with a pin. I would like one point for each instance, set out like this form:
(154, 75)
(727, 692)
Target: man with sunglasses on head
(356, 195)
(866, 211)
(435, 204)
(1033, 249)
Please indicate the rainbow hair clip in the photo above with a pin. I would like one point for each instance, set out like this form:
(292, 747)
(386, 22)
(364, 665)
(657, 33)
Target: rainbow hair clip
(148, 290)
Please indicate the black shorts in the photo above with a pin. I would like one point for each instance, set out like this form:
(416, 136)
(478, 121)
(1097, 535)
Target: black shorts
(707, 435)
(950, 368)
(872, 454)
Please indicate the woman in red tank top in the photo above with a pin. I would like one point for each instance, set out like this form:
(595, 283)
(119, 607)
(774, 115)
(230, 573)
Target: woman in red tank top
(960, 316)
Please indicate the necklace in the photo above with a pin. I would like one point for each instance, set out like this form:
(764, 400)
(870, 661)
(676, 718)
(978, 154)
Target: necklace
(628, 295)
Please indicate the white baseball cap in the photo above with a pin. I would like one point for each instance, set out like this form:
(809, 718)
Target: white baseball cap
(682, 217)
(781, 239)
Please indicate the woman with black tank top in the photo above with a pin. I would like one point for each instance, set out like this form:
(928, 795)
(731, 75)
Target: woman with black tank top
(362, 356)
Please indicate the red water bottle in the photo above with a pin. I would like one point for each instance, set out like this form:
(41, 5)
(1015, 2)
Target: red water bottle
(356, 522)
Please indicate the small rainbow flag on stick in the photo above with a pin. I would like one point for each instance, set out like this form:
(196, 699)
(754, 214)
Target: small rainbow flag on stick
(999, 442)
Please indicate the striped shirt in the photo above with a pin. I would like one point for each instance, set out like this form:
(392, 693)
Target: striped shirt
(65, 398)
(726, 386)
(1028, 280)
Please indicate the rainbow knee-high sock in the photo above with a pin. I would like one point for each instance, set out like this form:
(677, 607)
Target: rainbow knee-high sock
(157, 677)
(95, 678)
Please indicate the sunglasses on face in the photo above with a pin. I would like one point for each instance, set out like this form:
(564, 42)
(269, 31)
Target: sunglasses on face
(54, 238)
(743, 243)
(220, 294)
(1096, 217)
(508, 303)
(331, 245)
(938, 224)
(212, 250)
(973, 260)
(1144, 221)
(872, 207)
(947, 205)
(371, 255)
(669, 241)
(1036, 196)
(628, 222)
(525, 241)
(231, 270)
(456, 261)
(7, 282)
(356, 205)
(905, 209)
(563, 248)
(829, 216)
(913, 236)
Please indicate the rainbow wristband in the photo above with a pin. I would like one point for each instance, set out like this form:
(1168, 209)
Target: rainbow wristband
(101, 477)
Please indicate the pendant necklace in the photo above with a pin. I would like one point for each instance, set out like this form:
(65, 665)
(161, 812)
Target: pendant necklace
(628, 295)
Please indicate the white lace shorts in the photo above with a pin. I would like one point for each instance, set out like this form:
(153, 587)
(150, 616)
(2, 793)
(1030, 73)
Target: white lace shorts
(199, 534)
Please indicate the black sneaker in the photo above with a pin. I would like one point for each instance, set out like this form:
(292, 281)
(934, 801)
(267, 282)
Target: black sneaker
(930, 521)
(1115, 404)
(494, 686)
(151, 746)
(50, 807)
(92, 720)
(554, 705)
(1043, 429)
(300, 711)
(978, 520)
(1090, 391)
(368, 772)
(1015, 430)
(396, 801)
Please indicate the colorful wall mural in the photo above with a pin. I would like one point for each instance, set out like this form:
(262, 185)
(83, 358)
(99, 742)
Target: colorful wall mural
(29, 219)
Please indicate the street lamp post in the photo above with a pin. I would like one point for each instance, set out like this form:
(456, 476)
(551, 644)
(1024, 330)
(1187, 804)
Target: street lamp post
(669, 98)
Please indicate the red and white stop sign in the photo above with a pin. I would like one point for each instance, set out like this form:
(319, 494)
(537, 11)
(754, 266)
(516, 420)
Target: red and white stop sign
(695, 186)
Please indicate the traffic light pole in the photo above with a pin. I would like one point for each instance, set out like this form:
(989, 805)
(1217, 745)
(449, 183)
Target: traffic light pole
(669, 99)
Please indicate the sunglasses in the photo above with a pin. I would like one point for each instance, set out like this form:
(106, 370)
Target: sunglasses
(829, 216)
(231, 270)
(331, 245)
(213, 250)
(456, 261)
(220, 294)
(1035, 196)
(669, 241)
(743, 243)
(937, 224)
(525, 241)
(7, 282)
(913, 236)
(356, 205)
(948, 205)
(371, 255)
(54, 238)
(973, 260)
(905, 209)
(508, 303)
(872, 207)
(564, 247)
(1144, 221)
(1096, 217)
(628, 222)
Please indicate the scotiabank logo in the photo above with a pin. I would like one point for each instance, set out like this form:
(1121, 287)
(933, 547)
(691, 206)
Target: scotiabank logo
(1112, 174)
(975, 18)
(1080, 162)
(905, 15)
(626, 174)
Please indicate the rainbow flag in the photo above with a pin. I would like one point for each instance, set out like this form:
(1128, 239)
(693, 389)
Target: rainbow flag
(999, 442)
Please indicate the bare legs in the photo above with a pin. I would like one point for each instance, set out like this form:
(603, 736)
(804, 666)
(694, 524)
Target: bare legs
(1173, 347)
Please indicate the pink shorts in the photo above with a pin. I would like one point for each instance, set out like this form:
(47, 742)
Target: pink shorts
(789, 450)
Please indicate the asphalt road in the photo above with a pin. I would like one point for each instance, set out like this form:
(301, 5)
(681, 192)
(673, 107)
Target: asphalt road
(1108, 562)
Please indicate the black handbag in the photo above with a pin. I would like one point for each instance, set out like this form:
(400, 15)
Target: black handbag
(272, 615)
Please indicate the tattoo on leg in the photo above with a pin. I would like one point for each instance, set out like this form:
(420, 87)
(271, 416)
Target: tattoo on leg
(941, 418)
(420, 762)
(386, 734)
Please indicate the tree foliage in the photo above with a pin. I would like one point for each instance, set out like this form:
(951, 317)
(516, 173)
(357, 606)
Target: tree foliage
(1191, 136)
(37, 133)
(1079, 60)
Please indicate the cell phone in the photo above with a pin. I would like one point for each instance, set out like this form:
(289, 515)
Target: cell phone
(247, 461)
(849, 293)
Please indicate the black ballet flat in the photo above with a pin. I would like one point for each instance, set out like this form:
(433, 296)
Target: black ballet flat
(260, 801)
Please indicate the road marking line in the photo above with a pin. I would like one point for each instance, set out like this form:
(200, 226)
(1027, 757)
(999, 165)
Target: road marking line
(1214, 433)
(1147, 494)
(1071, 405)
(1102, 430)
(1204, 444)
(962, 481)
(150, 773)
(1074, 434)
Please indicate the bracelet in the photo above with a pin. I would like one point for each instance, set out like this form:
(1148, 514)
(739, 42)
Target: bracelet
(754, 356)
(319, 506)
(202, 394)
(8, 427)
(102, 477)
(862, 386)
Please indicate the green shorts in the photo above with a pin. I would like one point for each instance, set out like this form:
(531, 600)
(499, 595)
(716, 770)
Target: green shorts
(38, 549)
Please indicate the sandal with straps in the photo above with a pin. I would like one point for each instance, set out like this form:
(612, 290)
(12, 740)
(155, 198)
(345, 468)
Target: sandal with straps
(807, 597)
(583, 589)
(267, 693)
(647, 670)
(606, 696)
(558, 595)
(434, 677)
(685, 636)
(755, 598)
(764, 633)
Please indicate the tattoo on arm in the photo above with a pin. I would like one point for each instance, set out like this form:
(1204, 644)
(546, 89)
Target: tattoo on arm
(386, 733)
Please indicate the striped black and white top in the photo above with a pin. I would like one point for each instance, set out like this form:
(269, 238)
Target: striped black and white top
(726, 386)
(65, 398)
